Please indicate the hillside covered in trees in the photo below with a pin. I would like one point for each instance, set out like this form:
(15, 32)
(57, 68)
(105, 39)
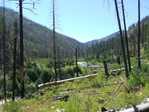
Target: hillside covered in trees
(111, 49)
(38, 39)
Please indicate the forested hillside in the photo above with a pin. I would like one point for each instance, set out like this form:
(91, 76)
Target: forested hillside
(111, 48)
(38, 39)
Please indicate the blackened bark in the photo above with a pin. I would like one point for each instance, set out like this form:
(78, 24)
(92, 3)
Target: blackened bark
(123, 47)
(139, 61)
(54, 44)
(106, 69)
(4, 51)
(14, 70)
(76, 62)
(21, 50)
(59, 65)
(14, 58)
(126, 37)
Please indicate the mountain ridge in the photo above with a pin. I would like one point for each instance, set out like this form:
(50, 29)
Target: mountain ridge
(89, 43)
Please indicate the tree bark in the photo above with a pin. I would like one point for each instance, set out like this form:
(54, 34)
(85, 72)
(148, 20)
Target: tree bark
(123, 47)
(76, 62)
(139, 61)
(14, 71)
(21, 50)
(126, 37)
(59, 63)
(106, 69)
(4, 51)
(14, 58)
(54, 44)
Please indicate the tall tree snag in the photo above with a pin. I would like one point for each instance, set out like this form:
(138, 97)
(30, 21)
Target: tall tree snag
(126, 37)
(139, 61)
(76, 62)
(121, 35)
(54, 46)
(4, 49)
(21, 50)
(14, 58)
(59, 64)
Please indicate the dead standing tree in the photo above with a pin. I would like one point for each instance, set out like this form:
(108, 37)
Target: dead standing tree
(122, 42)
(59, 63)
(16, 30)
(54, 44)
(77, 62)
(139, 61)
(126, 37)
(4, 49)
(21, 50)
(22, 43)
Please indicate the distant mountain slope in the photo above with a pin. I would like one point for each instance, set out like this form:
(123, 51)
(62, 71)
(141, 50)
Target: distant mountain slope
(89, 43)
(38, 38)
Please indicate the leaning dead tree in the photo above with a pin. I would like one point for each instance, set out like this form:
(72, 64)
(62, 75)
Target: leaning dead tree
(126, 37)
(122, 42)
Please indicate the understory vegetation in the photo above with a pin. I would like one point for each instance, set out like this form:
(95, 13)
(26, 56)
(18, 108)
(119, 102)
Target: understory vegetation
(87, 94)
(38, 73)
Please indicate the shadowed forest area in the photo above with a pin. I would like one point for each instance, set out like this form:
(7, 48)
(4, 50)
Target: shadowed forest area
(44, 71)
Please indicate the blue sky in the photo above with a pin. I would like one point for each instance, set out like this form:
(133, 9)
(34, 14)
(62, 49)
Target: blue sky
(83, 20)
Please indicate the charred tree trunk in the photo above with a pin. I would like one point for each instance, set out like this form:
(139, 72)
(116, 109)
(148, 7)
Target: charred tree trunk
(14, 58)
(14, 70)
(76, 62)
(54, 44)
(118, 60)
(106, 69)
(21, 50)
(4, 50)
(123, 47)
(139, 61)
(59, 64)
(126, 37)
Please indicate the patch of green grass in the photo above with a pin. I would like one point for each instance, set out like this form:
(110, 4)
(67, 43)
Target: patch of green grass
(85, 95)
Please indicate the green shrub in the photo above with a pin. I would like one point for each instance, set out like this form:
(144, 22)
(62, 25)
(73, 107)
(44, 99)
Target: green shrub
(32, 74)
(75, 70)
(69, 71)
(69, 61)
(74, 104)
(50, 63)
(11, 106)
(145, 91)
(46, 75)
(139, 76)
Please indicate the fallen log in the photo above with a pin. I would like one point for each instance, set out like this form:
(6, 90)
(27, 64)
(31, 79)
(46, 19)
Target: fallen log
(62, 98)
(62, 81)
(139, 108)
(120, 69)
